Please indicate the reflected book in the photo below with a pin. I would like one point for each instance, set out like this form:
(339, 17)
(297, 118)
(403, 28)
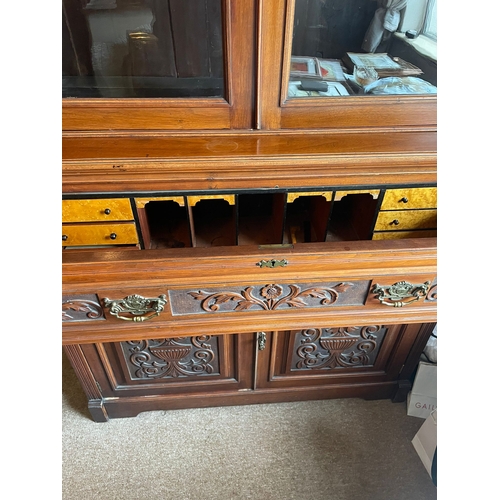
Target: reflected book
(331, 69)
(384, 64)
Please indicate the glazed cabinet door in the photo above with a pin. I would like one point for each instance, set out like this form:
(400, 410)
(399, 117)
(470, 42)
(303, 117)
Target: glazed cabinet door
(334, 65)
(157, 65)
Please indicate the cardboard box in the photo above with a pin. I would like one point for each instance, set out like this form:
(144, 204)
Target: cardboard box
(422, 399)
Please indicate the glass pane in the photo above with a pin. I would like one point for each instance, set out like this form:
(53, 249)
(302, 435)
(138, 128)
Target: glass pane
(142, 48)
(362, 47)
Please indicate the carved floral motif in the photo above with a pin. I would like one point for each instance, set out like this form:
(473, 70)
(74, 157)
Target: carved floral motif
(269, 297)
(171, 358)
(338, 347)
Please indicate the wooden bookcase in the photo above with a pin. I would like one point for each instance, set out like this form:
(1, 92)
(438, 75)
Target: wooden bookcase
(255, 239)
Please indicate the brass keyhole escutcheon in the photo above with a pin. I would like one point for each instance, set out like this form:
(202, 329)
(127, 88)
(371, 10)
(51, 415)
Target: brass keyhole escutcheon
(273, 263)
(261, 340)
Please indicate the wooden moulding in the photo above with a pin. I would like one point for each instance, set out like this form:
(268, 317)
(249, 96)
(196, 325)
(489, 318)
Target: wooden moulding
(246, 173)
(247, 160)
(95, 116)
(210, 144)
(361, 112)
(114, 330)
(131, 407)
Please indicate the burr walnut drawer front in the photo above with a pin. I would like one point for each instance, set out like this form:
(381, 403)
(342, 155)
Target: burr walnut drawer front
(99, 234)
(411, 198)
(399, 235)
(97, 210)
(399, 220)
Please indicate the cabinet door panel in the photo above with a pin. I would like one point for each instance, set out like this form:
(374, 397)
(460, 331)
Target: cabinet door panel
(172, 366)
(325, 356)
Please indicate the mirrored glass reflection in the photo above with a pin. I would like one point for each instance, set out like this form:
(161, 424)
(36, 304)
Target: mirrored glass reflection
(142, 48)
(363, 47)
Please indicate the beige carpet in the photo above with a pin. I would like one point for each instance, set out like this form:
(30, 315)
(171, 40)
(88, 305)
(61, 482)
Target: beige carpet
(346, 449)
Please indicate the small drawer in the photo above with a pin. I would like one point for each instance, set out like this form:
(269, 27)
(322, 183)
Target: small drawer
(400, 220)
(99, 234)
(398, 235)
(404, 199)
(96, 210)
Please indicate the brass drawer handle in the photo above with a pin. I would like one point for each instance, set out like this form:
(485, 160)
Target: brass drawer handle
(136, 306)
(395, 295)
(107, 211)
(113, 236)
(273, 263)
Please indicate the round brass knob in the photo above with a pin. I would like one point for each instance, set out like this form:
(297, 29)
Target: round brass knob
(395, 222)
(107, 211)
(113, 236)
(64, 237)
(404, 200)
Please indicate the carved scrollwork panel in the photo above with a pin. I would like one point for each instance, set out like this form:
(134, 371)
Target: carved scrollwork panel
(172, 358)
(268, 297)
(432, 293)
(333, 348)
(81, 308)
